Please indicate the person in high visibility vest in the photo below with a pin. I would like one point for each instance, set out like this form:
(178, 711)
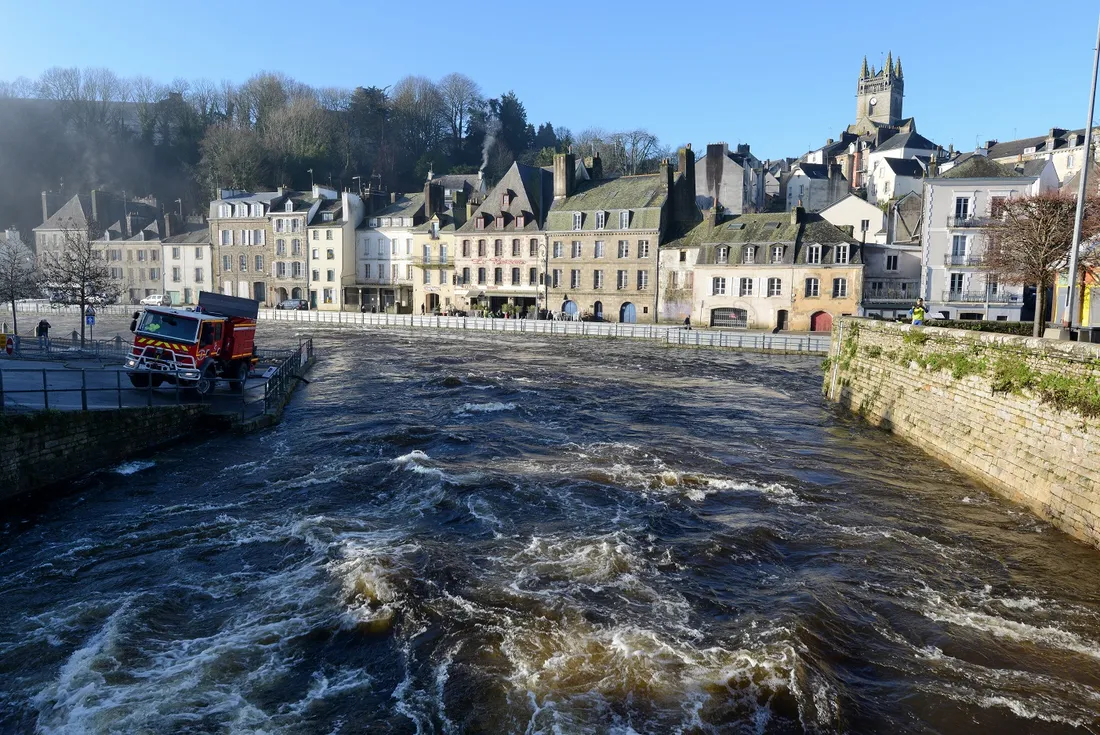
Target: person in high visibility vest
(918, 313)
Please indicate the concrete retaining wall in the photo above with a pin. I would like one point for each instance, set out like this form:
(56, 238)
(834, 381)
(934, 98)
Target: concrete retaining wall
(1021, 415)
(43, 450)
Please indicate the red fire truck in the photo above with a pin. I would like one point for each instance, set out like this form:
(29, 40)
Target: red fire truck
(194, 348)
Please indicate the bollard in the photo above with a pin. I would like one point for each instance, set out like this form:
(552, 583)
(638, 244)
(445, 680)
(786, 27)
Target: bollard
(83, 390)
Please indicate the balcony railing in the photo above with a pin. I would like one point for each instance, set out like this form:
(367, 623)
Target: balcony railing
(436, 262)
(966, 220)
(962, 260)
(889, 294)
(979, 297)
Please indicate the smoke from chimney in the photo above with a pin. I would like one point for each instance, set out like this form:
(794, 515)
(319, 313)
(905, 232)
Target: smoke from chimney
(492, 130)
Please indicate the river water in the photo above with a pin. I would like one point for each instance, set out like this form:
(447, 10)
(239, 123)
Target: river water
(508, 535)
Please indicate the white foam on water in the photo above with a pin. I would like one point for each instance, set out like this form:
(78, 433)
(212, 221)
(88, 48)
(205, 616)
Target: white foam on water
(133, 467)
(494, 407)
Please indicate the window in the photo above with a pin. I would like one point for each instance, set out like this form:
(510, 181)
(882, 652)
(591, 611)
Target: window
(962, 208)
(154, 274)
(316, 252)
(775, 287)
(813, 255)
(718, 286)
(366, 271)
(599, 249)
(242, 265)
(481, 276)
(997, 205)
(279, 225)
(601, 218)
(574, 279)
(842, 254)
(259, 263)
(465, 249)
(556, 280)
(958, 247)
(597, 279)
(328, 234)
(865, 224)
(175, 275)
(683, 256)
(624, 220)
(330, 254)
(141, 256)
(840, 288)
(479, 222)
(992, 285)
(620, 280)
(408, 272)
(330, 275)
(1069, 161)
(643, 280)
(427, 276)
(532, 276)
(813, 288)
(296, 247)
(227, 263)
(465, 280)
(498, 248)
(498, 276)
(557, 251)
(643, 248)
(575, 251)
(891, 262)
(481, 248)
(427, 253)
(224, 210)
(315, 234)
(722, 255)
(578, 219)
(745, 287)
(280, 269)
(515, 276)
(280, 247)
(296, 269)
(956, 283)
(328, 295)
(409, 242)
(624, 248)
(534, 248)
(224, 237)
(316, 275)
(294, 225)
(673, 280)
(326, 216)
(198, 253)
(393, 247)
(515, 248)
(777, 254)
(442, 253)
(749, 254)
(198, 275)
(175, 253)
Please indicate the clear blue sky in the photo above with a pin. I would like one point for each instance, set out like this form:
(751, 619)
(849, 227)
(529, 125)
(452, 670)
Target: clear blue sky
(778, 75)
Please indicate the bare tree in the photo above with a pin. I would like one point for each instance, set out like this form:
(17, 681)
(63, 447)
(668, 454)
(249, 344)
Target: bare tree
(637, 148)
(18, 274)
(1030, 243)
(145, 94)
(89, 97)
(460, 95)
(232, 157)
(418, 107)
(77, 273)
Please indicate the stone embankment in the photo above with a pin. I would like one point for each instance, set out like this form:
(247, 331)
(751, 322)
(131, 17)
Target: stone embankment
(1020, 415)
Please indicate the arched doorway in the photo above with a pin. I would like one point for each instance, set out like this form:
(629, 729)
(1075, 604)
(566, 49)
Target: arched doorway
(280, 295)
(597, 310)
(569, 308)
(729, 317)
(296, 293)
(781, 320)
(821, 321)
(627, 313)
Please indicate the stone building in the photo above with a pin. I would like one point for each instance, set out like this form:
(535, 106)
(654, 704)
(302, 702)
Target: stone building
(892, 269)
(436, 285)
(786, 271)
(187, 256)
(738, 180)
(956, 207)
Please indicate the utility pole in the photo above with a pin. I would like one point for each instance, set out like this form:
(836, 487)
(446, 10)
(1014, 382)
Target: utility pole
(1070, 315)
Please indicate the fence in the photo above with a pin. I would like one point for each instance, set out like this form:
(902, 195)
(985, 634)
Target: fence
(35, 389)
(63, 348)
(808, 344)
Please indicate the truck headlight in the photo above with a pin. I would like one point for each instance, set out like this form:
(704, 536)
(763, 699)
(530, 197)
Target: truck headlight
(131, 362)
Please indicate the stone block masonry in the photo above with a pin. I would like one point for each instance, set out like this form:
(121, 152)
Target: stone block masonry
(41, 451)
(1020, 415)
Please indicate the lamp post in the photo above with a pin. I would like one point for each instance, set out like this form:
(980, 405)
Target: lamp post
(311, 184)
(1071, 293)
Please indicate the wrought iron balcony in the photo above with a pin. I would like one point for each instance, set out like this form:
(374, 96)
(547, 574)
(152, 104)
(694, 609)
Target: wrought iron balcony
(884, 295)
(962, 260)
(979, 297)
(966, 220)
(436, 262)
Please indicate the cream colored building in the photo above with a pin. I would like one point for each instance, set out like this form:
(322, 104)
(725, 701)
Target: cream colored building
(383, 278)
(331, 236)
(1064, 148)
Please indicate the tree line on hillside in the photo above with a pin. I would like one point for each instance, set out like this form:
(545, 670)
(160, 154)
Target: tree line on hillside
(73, 129)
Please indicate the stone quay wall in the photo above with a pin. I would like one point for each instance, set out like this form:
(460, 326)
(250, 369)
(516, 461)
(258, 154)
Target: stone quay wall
(1020, 415)
(40, 452)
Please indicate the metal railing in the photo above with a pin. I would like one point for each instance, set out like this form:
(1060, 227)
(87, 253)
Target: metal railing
(964, 260)
(65, 348)
(889, 294)
(672, 335)
(966, 220)
(979, 297)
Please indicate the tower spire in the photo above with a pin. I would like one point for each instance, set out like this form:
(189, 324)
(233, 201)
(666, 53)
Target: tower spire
(889, 63)
(864, 72)
(897, 68)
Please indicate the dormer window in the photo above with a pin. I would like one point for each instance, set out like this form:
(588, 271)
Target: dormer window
(224, 210)
(624, 220)
(373, 221)
(601, 219)
(289, 206)
(749, 255)
(813, 255)
(479, 222)
(326, 216)
(1029, 150)
(257, 210)
(505, 199)
(723, 255)
(842, 254)
(578, 220)
(777, 254)
(520, 220)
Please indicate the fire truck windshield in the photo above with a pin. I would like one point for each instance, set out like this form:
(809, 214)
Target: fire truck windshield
(168, 326)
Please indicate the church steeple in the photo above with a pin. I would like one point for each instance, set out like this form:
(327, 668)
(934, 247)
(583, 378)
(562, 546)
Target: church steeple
(889, 63)
(897, 68)
(864, 72)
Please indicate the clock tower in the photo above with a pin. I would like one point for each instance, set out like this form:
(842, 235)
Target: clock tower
(879, 94)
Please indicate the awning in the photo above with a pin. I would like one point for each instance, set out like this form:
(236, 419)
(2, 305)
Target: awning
(472, 293)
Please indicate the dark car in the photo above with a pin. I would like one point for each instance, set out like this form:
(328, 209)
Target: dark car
(299, 304)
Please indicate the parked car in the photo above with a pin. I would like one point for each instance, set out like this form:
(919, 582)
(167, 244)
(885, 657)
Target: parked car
(295, 304)
(158, 299)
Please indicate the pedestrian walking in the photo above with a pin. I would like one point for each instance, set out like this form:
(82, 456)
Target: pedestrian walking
(43, 333)
(687, 323)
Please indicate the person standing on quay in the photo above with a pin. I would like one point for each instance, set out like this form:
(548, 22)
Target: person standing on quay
(919, 312)
(43, 334)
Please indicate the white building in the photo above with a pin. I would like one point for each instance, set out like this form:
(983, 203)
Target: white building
(867, 222)
(956, 206)
(383, 277)
(892, 270)
(815, 186)
(895, 168)
(187, 258)
(331, 237)
(1065, 149)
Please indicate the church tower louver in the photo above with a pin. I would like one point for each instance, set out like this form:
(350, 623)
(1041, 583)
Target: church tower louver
(879, 94)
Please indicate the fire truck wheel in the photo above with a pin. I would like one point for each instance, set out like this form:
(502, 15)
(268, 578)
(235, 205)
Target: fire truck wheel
(204, 386)
(139, 380)
(240, 375)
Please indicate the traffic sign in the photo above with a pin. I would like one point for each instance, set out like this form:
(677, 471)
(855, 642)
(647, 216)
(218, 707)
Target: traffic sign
(9, 345)
(90, 320)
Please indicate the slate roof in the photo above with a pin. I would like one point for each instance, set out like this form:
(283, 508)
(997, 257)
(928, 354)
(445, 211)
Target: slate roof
(335, 206)
(1014, 148)
(194, 235)
(981, 167)
(814, 170)
(643, 196)
(72, 214)
(456, 182)
(907, 219)
(532, 191)
(407, 205)
(906, 167)
(906, 140)
(765, 230)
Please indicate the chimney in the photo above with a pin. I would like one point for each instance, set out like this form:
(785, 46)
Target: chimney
(798, 215)
(433, 199)
(167, 225)
(665, 172)
(933, 167)
(596, 169)
(714, 217)
(45, 207)
(565, 173)
(393, 197)
(743, 148)
(97, 210)
(459, 208)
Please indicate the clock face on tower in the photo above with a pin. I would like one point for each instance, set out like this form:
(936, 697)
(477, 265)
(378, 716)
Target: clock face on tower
(874, 101)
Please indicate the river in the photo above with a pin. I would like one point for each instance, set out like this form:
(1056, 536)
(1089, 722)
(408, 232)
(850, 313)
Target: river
(496, 534)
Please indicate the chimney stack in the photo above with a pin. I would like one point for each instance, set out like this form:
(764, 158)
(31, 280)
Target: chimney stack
(167, 225)
(595, 171)
(45, 206)
(565, 174)
(798, 215)
(433, 199)
(665, 172)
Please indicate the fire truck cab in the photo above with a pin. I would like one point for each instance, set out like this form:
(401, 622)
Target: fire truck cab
(194, 348)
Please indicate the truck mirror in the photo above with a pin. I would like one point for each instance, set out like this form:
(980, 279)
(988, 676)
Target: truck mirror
(133, 325)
